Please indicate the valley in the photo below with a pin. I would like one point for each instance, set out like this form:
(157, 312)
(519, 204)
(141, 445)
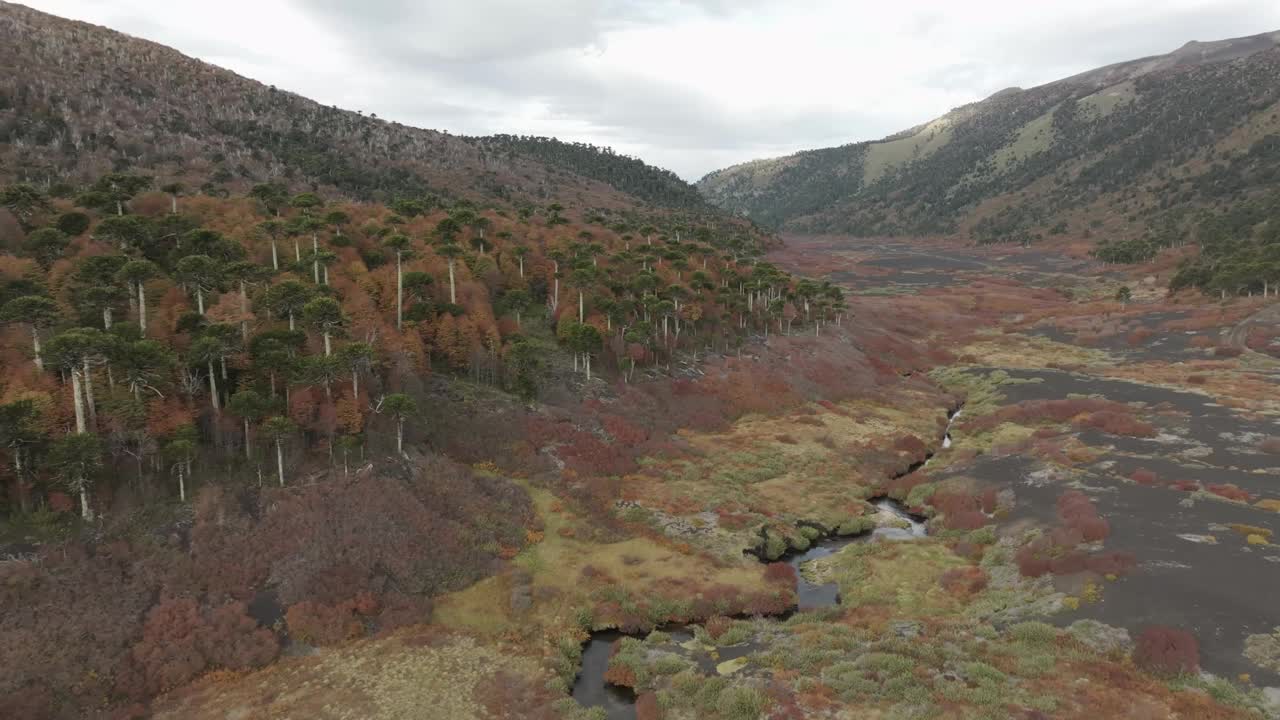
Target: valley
(310, 414)
(1113, 470)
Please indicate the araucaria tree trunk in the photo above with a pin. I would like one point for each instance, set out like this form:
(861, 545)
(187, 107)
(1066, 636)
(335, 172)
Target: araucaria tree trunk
(280, 460)
(213, 389)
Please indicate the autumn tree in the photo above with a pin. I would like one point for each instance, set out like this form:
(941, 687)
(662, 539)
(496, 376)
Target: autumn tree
(250, 407)
(19, 431)
(201, 274)
(417, 286)
(451, 253)
(114, 190)
(358, 357)
(24, 201)
(173, 190)
(287, 299)
(75, 459)
(128, 232)
(143, 365)
(181, 450)
(271, 196)
(278, 429)
(273, 230)
(36, 312)
(275, 354)
(400, 244)
(75, 351)
(244, 273)
(401, 407)
(324, 315)
(213, 346)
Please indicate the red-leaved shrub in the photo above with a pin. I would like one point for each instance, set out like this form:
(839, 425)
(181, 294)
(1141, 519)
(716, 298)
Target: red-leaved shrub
(964, 581)
(718, 626)
(990, 500)
(1167, 651)
(316, 623)
(780, 573)
(966, 520)
(1069, 563)
(1231, 492)
(1143, 476)
(1118, 423)
(647, 707)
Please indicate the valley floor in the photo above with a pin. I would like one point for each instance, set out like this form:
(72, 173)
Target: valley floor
(1101, 535)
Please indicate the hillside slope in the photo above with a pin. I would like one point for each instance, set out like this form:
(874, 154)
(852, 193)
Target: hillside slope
(78, 100)
(1097, 153)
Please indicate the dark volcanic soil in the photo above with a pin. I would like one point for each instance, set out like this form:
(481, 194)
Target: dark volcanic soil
(1194, 570)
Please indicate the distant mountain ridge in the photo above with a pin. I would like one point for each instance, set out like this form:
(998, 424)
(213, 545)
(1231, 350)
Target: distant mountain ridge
(1091, 154)
(78, 100)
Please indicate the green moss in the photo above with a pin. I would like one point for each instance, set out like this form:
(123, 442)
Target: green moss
(857, 525)
(983, 536)
(982, 673)
(1033, 633)
(636, 514)
(775, 546)
(921, 494)
(657, 637)
(669, 664)
(737, 633)
(740, 703)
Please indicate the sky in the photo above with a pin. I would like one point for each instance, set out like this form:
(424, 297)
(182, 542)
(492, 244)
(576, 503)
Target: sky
(690, 85)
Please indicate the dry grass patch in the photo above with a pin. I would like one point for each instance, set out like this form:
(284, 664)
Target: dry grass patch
(417, 674)
(1014, 350)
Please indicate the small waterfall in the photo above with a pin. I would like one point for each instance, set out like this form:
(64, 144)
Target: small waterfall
(917, 527)
(946, 438)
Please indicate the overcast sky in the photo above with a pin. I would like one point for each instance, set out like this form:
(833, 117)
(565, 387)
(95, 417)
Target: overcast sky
(691, 85)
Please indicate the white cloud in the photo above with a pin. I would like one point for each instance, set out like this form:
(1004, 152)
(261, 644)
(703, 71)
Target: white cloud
(688, 84)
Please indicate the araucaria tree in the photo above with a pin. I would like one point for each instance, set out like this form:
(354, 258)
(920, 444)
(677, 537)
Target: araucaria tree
(34, 311)
(401, 407)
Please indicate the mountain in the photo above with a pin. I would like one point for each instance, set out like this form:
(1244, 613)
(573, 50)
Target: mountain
(1098, 154)
(78, 100)
(630, 175)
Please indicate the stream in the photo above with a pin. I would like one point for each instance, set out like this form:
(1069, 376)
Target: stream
(590, 688)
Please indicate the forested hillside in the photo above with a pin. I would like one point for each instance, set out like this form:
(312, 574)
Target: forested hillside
(630, 175)
(156, 343)
(261, 357)
(78, 101)
(1138, 156)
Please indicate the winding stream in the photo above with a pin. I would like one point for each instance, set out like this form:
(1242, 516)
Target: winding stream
(590, 688)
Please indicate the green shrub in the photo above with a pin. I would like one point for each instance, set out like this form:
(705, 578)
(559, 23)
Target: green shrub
(983, 536)
(737, 633)
(740, 703)
(657, 637)
(921, 494)
(669, 664)
(775, 546)
(857, 525)
(1033, 633)
(1036, 664)
(982, 673)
